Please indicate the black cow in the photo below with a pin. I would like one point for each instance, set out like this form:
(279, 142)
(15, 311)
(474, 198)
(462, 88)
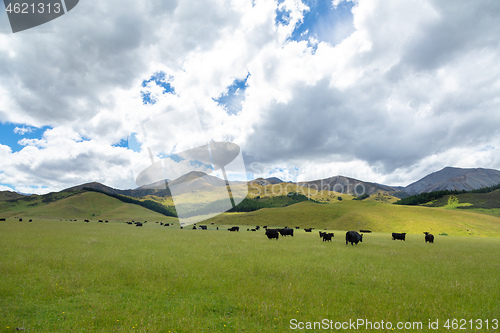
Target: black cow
(365, 231)
(400, 236)
(2, 219)
(194, 227)
(429, 237)
(86, 221)
(353, 237)
(308, 229)
(138, 224)
(101, 221)
(20, 220)
(286, 232)
(272, 233)
(234, 229)
(321, 233)
(327, 237)
(30, 220)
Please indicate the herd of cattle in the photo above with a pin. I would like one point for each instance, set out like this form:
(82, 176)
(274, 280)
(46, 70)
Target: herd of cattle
(352, 237)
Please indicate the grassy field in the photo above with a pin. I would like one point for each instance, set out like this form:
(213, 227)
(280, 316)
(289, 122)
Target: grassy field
(61, 276)
(371, 215)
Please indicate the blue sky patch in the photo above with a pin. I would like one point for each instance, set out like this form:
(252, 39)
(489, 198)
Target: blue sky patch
(124, 143)
(282, 17)
(159, 79)
(176, 158)
(7, 185)
(133, 143)
(324, 22)
(11, 134)
(233, 99)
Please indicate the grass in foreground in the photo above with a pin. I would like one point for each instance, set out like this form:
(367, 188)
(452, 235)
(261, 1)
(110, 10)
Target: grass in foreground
(71, 276)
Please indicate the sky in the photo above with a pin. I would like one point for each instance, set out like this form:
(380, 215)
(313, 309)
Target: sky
(382, 91)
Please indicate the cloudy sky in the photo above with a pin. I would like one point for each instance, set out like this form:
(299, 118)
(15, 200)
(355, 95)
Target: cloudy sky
(383, 91)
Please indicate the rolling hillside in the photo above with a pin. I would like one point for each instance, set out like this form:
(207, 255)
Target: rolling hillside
(336, 215)
(9, 195)
(86, 205)
(374, 216)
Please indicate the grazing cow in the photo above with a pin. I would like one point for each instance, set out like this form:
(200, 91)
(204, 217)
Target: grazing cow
(365, 231)
(308, 229)
(234, 229)
(254, 230)
(101, 221)
(2, 219)
(327, 237)
(138, 224)
(286, 232)
(400, 236)
(257, 228)
(353, 237)
(20, 220)
(167, 224)
(86, 221)
(429, 237)
(30, 220)
(203, 227)
(272, 233)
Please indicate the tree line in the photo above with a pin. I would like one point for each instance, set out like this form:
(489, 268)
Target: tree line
(423, 198)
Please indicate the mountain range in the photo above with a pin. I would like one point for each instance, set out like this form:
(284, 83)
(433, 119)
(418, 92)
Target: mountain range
(449, 178)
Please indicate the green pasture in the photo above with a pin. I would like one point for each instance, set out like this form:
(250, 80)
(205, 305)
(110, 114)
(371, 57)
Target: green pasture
(62, 276)
(371, 215)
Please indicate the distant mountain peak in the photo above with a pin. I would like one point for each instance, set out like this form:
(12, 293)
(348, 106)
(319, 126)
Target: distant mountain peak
(268, 181)
(274, 180)
(453, 178)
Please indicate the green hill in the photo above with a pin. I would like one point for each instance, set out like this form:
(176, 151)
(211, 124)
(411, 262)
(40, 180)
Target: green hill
(9, 195)
(371, 215)
(336, 215)
(84, 205)
(469, 200)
